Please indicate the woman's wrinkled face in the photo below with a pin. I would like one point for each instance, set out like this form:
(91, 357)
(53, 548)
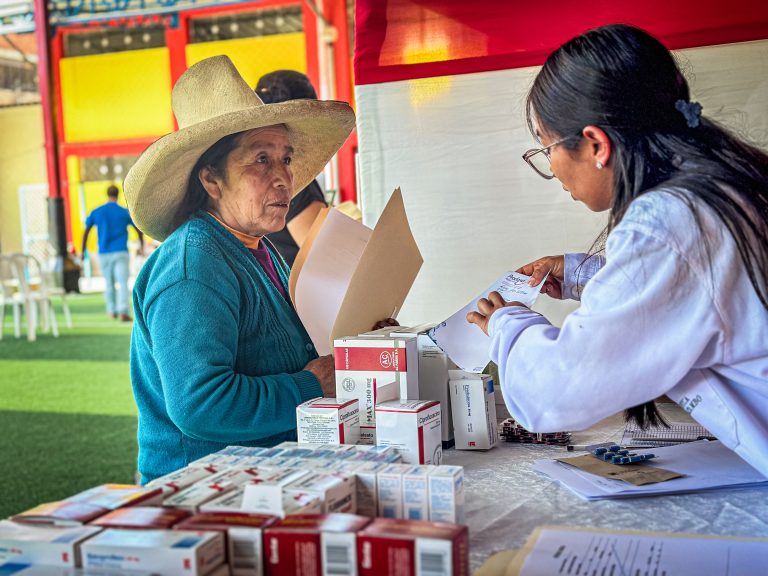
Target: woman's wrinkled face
(577, 170)
(253, 194)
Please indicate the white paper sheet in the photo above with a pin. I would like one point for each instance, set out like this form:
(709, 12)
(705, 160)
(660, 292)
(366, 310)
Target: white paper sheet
(587, 552)
(707, 466)
(465, 343)
(335, 254)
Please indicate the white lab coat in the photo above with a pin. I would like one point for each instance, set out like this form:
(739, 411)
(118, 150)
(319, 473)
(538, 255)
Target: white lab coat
(661, 316)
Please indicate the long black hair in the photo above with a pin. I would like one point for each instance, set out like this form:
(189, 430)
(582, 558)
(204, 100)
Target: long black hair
(626, 82)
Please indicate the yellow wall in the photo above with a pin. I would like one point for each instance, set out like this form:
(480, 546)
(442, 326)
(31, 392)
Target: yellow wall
(22, 161)
(254, 57)
(115, 96)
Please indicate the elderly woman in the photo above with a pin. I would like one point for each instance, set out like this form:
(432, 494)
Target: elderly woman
(218, 354)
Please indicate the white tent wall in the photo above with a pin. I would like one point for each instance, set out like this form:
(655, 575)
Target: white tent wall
(454, 144)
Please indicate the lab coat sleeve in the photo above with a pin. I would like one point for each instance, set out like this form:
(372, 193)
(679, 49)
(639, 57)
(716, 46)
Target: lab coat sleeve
(644, 320)
(579, 269)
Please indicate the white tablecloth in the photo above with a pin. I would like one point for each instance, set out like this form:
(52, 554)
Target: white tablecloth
(506, 499)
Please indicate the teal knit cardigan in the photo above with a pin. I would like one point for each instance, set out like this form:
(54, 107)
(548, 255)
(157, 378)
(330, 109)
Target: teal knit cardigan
(216, 352)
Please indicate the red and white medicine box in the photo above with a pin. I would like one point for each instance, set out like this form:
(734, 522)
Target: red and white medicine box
(157, 551)
(183, 478)
(413, 548)
(266, 496)
(433, 373)
(143, 518)
(244, 534)
(365, 363)
(474, 410)
(328, 421)
(47, 545)
(313, 545)
(413, 428)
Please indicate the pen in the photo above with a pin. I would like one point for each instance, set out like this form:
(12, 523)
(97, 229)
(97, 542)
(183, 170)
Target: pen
(588, 447)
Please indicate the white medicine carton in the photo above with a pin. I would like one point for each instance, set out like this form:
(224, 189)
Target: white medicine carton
(162, 551)
(474, 410)
(48, 545)
(433, 373)
(337, 491)
(389, 488)
(446, 494)
(366, 363)
(416, 492)
(412, 427)
(328, 421)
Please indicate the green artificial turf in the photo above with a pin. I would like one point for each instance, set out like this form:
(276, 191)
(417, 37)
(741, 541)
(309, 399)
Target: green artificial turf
(67, 414)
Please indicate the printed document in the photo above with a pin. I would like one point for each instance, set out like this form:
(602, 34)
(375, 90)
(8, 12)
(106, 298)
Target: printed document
(465, 343)
(559, 550)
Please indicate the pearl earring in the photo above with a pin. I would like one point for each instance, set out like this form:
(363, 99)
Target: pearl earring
(599, 165)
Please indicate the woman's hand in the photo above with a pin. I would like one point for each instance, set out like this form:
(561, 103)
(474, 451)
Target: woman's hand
(325, 372)
(552, 265)
(486, 307)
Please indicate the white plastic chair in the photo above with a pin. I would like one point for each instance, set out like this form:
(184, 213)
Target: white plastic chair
(10, 294)
(42, 279)
(33, 291)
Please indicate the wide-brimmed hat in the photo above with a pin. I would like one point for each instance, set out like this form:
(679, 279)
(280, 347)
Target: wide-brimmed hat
(210, 101)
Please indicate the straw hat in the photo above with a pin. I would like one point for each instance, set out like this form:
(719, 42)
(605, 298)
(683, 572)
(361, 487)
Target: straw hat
(210, 101)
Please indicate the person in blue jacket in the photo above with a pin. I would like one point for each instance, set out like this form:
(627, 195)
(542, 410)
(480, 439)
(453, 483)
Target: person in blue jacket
(218, 353)
(112, 221)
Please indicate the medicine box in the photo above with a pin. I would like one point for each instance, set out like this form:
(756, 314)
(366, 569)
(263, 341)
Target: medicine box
(474, 410)
(416, 492)
(389, 488)
(413, 548)
(433, 373)
(328, 421)
(306, 545)
(243, 534)
(365, 363)
(160, 551)
(335, 490)
(446, 494)
(413, 428)
(49, 545)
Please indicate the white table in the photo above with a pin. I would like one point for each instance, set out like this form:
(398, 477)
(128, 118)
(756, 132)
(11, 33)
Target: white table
(506, 499)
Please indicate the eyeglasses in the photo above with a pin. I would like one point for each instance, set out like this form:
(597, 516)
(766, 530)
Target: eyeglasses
(538, 158)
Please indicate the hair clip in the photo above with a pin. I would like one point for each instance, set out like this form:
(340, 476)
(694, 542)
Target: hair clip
(691, 111)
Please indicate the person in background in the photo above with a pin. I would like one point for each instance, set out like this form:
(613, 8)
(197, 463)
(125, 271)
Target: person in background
(218, 354)
(112, 221)
(678, 303)
(281, 86)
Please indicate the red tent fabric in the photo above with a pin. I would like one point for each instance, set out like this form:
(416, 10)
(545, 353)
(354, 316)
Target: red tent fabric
(405, 39)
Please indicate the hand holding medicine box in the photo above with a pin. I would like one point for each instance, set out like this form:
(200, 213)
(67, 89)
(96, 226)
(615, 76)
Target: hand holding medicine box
(474, 410)
(413, 428)
(364, 364)
(328, 421)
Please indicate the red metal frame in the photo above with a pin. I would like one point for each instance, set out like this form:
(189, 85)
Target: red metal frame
(176, 39)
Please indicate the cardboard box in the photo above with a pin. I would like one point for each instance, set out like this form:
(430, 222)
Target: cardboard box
(243, 535)
(212, 487)
(183, 478)
(413, 428)
(367, 491)
(163, 551)
(446, 494)
(142, 518)
(336, 491)
(313, 545)
(49, 545)
(433, 374)
(389, 488)
(474, 410)
(366, 363)
(266, 496)
(367, 434)
(328, 421)
(413, 548)
(295, 504)
(416, 492)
